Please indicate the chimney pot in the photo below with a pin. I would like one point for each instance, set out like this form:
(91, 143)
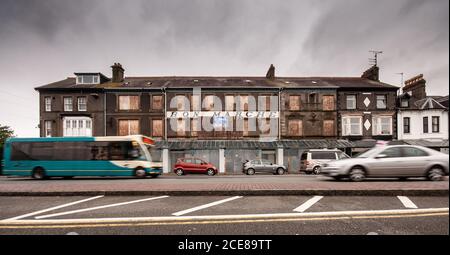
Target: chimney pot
(117, 72)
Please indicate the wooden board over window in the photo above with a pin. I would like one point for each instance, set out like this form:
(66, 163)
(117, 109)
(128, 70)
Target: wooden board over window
(128, 127)
(157, 102)
(128, 102)
(328, 127)
(157, 128)
(294, 103)
(295, 128)
(328, 103)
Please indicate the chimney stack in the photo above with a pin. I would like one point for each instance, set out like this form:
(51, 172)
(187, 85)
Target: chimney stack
(271, 72)
(117, 72)
(372, 73)
(416, 87)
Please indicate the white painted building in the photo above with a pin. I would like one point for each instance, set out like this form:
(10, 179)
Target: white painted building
(422, 120)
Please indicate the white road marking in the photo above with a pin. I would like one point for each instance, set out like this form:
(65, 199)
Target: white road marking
(308, 204)
(205, 206)
(98, 207)
(52, 208)
(349, 214)
(407, 202)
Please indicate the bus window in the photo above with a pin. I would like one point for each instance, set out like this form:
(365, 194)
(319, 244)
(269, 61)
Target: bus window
(20, 151)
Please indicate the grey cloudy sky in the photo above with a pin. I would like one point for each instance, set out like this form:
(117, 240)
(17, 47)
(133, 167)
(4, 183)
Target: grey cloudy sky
(48, 40)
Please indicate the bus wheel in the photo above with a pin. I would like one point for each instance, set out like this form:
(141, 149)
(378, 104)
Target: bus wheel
(140, 173)
(67, 177)
(38, 173)
(154, 175)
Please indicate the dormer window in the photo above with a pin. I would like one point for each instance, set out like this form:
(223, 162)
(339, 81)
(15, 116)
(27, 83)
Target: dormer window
(404, 102)
(88, 79)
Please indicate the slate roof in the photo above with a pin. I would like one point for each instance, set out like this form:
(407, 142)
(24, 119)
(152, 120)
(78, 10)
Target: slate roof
(227, 82)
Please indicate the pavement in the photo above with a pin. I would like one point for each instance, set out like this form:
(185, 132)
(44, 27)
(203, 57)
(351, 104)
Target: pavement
(221, 185)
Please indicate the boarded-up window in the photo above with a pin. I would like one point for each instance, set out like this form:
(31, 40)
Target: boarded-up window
(180, 102)
(209, 102)
(328, 127)
(295, 127)
(245, 127)
(157, 102)
(328, 103)
(195, 126)
(264, 103)
(229, 103)
(157, 128)
(294, 103)
(128, 127)
(181, 127)
(264, 126)
(196, 105)
(243, 105)
(128, 102)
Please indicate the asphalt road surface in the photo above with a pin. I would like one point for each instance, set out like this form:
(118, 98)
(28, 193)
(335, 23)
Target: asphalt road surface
(230, 215)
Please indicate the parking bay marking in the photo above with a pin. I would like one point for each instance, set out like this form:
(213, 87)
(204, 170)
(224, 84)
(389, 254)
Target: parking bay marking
(303, 207)
(407, 202)
(53, 208)
(205, 206)
(99, 207)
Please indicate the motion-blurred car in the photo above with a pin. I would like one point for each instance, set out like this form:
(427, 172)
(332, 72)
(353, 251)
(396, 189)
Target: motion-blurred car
(258, 165)
(194, 166)
(399, 161)
(311, 161)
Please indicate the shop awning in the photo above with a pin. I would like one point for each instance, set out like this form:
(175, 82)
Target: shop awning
(249, 145)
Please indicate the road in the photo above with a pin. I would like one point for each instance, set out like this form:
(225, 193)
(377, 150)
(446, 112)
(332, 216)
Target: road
(231, 215)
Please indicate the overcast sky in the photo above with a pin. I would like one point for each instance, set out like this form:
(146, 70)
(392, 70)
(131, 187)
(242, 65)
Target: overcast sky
(48, 40)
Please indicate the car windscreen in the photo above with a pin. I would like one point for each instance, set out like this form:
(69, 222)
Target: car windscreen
(368, 153)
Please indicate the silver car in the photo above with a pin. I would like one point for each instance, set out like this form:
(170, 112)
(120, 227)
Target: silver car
(258, 165)
(400, 161)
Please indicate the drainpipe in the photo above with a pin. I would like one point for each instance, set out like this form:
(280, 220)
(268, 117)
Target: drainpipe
(279, 113)
(104, 112)
(163, 89)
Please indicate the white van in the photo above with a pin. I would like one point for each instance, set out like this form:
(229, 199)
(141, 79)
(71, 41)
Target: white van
(311, 161)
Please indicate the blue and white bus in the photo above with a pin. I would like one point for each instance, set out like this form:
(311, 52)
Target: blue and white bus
(67, 157)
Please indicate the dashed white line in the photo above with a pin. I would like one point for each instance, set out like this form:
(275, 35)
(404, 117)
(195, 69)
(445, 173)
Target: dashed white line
(407, 202)
(53, 208)
(205, 206)
(98, 207)
(308, 204)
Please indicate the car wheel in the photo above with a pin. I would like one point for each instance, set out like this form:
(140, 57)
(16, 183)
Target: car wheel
(154, 175)
(316, 170)
(251, 171)
(280, 171)
(38, 173)
(435, 174)
(179, 172)
(357, 174)
(210, 172)
(307, 172)
(140, 173)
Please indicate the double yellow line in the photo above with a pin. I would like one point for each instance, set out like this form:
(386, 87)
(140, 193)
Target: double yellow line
(221, 219)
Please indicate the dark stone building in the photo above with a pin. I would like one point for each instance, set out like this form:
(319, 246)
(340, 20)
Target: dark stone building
(224, 120)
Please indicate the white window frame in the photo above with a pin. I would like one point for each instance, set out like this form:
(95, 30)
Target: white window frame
(95, 79)
(376, 125)
(354, 102)
(79, 104)
(48, 128)
(384, 97)
(346, 125)
(48, 104)
(77, 126)
(66, 105)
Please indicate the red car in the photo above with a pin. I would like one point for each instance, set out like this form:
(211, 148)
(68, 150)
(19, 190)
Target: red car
(194, 166)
